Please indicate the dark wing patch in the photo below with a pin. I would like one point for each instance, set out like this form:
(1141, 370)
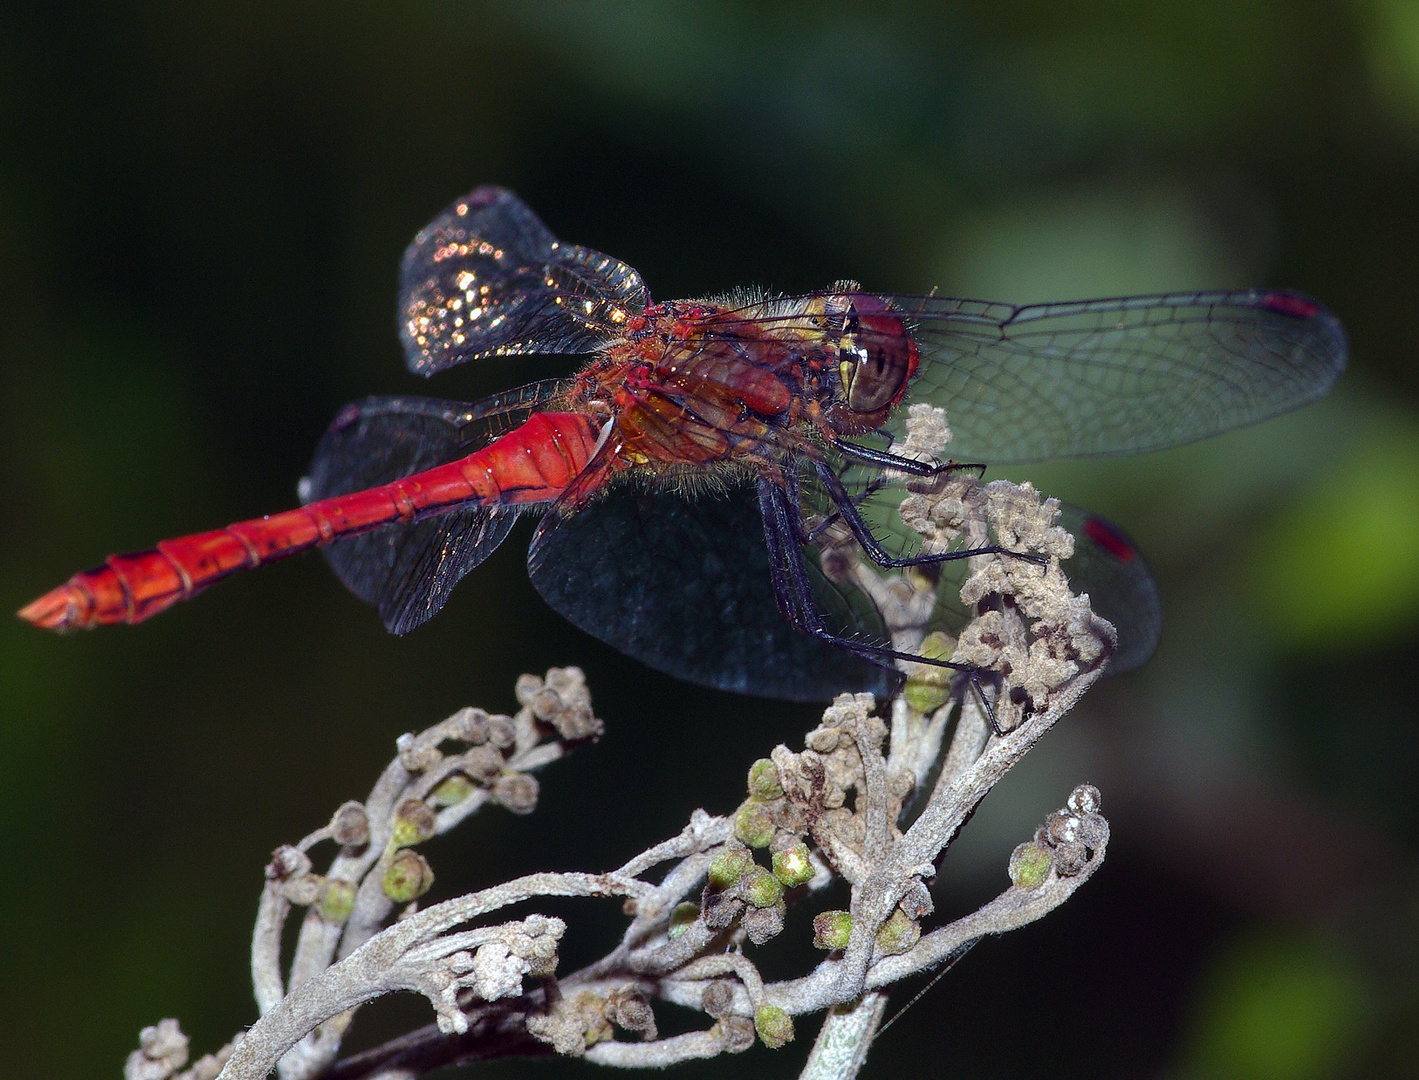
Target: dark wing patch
(683, 586)
(407, 571)
(486, 278)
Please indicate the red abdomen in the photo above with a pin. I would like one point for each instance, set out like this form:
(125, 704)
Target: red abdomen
(534, 463)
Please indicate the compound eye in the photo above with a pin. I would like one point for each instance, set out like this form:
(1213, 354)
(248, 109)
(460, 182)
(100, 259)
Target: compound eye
(880, 364)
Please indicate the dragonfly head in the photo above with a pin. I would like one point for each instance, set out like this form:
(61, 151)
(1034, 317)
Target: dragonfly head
(876, 360)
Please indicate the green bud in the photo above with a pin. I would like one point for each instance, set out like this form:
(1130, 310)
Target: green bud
(898, 934)
(831, 929)
(682, 918)
(763, 780)
(775, 1027)
(453, 790)
(929, 687)
(729, 866)
(408, 877)
(1029, 865)
(761, 888)
(792, 865)
(754, 824)
(337, 900)
(413, 822)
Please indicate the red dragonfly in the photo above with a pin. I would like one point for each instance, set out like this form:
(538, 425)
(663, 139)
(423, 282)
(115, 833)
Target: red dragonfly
(648, 456)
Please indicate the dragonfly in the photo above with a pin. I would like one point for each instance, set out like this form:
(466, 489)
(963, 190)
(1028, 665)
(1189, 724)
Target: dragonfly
(692, 468)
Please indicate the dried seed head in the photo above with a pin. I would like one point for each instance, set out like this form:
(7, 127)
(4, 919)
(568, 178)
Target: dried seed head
(517, 791)
(287, 862)
(916, 902)
(350, 827)
(719, 998)
(413, 822)
(407, 878)
(502, 733)
(1085, 799)
(738, 1033)
(720, 909)
(420, 757)
(484, 764)
(764, 924)
(628, 1010)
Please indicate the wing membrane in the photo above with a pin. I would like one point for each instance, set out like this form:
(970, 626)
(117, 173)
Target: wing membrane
(1119, 376)
(486, 278)
(408, 571)
(683, 586)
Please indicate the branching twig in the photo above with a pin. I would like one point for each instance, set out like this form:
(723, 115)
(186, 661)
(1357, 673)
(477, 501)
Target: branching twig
(839, 808)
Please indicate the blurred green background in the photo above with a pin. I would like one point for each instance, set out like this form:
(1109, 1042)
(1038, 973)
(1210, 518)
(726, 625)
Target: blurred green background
(202, 207)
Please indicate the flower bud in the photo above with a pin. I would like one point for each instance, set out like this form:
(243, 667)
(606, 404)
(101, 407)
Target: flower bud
(760, 888)
(775, 1027)
(929, 686)
(682, 918)
(729, 866)
(898, 934)
(831, 929)
(1029, 866)
(413, 822)
(763, 781)
(337, 900)
(792, 865)
(452, 790)
(754, 824)
(407, 878)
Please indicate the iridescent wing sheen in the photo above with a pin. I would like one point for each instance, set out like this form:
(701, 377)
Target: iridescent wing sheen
(1122, 376)
(486, 278)
(407, 571)
(683, 585)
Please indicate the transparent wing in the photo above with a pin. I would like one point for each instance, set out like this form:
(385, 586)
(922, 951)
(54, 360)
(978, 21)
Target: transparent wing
(408, 571)
(1121, 376)
(1106, 564)
(486, 278)
(683, 585)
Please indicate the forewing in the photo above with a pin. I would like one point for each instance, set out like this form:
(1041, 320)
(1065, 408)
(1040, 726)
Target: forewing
(486, 278)
(682, 584)
(1122, 376)
(407, 571)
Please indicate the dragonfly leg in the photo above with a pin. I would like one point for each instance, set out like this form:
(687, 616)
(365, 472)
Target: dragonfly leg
(876, 552)
(783, 533)
(885, 459)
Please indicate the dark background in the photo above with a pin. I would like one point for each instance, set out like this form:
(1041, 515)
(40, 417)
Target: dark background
(202, 207)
